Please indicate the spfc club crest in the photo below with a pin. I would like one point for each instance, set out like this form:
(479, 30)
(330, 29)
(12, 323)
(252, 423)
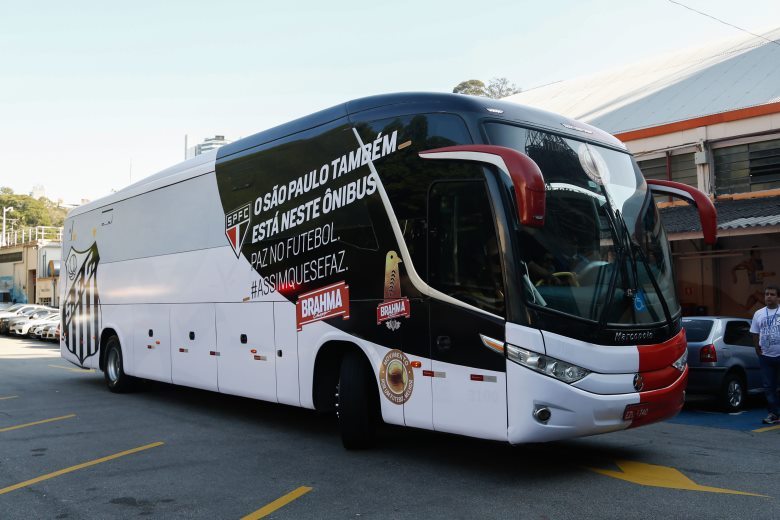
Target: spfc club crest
(236, 227)
(81, 311)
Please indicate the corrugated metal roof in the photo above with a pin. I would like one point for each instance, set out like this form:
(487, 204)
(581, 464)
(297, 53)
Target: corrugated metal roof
(751, 222)
(732, 214)
(729, 75)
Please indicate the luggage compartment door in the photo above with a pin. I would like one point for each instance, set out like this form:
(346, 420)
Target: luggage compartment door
(245, 341)
(194, 349)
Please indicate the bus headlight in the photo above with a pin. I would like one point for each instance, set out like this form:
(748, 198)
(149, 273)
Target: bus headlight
(546, 365)
(681, 362)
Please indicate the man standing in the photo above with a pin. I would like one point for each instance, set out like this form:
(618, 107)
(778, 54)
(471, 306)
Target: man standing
(766, 338)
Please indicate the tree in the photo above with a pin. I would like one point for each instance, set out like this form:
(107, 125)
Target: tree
(472, 87)
(497, 88)
(500, 88)
(30, 212)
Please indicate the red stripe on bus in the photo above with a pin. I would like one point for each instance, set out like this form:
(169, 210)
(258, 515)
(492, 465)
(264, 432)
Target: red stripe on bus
(661, 355)
(662, 404)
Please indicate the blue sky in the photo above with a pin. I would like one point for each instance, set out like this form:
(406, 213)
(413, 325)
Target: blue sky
(94, 92)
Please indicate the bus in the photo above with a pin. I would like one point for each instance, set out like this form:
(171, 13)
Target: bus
(438, 261)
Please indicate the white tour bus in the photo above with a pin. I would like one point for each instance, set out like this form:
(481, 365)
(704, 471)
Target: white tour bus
(439, 261)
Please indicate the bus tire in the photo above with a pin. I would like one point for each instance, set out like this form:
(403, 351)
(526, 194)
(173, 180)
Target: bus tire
(357, 403)
(114, 373)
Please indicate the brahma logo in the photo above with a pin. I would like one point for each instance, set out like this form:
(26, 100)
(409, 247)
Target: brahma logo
(395, 305)
(322, 304)
(393, 309)
(237, 227)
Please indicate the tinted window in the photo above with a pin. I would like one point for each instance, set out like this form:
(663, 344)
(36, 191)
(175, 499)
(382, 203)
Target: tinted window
(738, 333)
(464, 255)
(407, 178)
(596, 201)
(697, 330)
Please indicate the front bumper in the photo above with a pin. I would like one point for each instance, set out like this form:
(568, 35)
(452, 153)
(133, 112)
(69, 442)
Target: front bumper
(575, 412)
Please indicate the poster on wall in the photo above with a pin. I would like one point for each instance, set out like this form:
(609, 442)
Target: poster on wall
(744, 276)
(6, 285)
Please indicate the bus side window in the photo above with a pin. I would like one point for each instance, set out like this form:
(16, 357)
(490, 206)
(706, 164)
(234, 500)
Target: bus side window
(464, 259)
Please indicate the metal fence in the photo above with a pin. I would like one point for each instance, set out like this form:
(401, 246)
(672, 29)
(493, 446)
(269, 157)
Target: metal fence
(32, 234)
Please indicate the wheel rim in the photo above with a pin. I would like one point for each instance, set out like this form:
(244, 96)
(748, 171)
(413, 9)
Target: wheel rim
(113, 365)
(734, 393)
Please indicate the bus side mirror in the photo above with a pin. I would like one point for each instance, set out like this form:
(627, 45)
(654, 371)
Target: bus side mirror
(707, 214)
(524, 173)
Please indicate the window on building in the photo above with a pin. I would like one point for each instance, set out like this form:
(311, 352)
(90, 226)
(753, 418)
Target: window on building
(682, 169)
(747, 167)
(653, 168)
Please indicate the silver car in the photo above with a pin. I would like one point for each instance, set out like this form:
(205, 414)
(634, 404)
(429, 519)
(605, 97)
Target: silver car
(722, 360)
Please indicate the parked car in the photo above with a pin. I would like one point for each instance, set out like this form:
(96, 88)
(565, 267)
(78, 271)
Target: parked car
(16, 311)
(33, 328)
(18, 308)
(21, 324)
(722, 359)
(35, 331)
(52, 332)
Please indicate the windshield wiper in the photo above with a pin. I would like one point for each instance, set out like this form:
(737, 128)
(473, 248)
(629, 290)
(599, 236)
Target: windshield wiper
(656, 287)
(635, 251)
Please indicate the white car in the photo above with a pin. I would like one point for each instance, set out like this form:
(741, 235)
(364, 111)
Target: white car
(22, 327)
(18, 309)
(39, 331)
(52, 332)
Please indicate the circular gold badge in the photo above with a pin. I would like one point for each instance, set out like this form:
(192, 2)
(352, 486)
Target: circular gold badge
(396, 377)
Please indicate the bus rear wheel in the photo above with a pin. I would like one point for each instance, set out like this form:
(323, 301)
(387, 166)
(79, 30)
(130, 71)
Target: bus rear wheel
(357, 403)
(114, 373)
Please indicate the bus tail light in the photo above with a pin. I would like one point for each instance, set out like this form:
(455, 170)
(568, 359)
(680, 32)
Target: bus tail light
(708, 354)
(546, 365)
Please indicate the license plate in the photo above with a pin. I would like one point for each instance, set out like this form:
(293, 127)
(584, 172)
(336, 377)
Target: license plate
(636, 411)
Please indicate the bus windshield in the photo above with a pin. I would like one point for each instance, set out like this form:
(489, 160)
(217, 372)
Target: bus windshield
(602, 254)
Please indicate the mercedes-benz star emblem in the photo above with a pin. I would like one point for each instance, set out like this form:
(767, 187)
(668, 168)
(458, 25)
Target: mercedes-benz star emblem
(639, 382)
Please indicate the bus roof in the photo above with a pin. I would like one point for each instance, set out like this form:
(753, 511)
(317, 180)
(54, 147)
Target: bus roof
(421, 102)
(413, 102)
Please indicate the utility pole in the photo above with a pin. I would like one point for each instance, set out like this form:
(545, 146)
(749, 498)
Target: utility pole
(5, 210)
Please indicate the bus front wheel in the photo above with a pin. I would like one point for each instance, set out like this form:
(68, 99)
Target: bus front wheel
(116, 379)
(357, 402)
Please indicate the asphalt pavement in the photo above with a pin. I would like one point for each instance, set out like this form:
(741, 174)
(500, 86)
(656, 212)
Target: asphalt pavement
(69, 449)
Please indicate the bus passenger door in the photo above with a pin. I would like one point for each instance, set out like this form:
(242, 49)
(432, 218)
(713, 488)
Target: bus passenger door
(194, 349)
(151, 341)
(468, 378)
(245, 340)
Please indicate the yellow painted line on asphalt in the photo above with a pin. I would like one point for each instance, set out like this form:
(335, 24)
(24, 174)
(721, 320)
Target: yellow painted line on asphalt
(278, 503)
(9, 428)
(8, 397)
(77, 467)
(73, 369)
(767, 429)
(661, 476)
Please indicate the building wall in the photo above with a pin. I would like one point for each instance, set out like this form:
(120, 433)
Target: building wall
(729, 280)
(19, 278)
(724, 279)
